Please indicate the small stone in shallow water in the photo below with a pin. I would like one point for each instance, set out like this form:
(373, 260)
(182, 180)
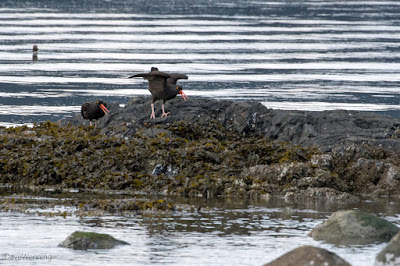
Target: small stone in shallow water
(354, 227)
(89, 240)
(308, 255)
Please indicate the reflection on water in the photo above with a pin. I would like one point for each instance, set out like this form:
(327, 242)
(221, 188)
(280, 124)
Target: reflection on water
(307, 55)
(215, 232)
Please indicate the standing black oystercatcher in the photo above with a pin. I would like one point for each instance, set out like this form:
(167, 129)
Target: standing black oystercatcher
(161, 88)
(94, 110)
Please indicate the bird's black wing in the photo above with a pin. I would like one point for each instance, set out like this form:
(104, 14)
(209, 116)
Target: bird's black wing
(174, 78)
(159, 74)
(157, 81)
(140, 75)
(84, 110)
(151, 75)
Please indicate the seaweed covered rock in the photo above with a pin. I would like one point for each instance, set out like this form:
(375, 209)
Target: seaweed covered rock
(366, 169)
(321, 193)
(325, 130)
(308, 255)
(390, 255)
(89, 240)
(189, 159)
(241, 117)
(354, 227)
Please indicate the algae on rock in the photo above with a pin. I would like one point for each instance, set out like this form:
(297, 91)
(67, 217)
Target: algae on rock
(89, 240)
(354, 227)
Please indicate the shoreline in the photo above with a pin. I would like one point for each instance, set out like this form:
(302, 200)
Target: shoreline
(209, 148)
(210, 152)
(392, 113)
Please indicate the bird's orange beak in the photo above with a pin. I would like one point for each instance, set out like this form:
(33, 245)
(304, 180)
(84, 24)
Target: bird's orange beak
(105, 110)
(183, 95)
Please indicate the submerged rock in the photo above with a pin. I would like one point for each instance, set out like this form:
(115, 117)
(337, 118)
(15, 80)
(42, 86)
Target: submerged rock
(89, 240)
(354, 227)
(308, 255)
(390, 255)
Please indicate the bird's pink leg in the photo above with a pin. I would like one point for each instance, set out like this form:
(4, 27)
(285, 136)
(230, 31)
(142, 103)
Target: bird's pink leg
(153, 114)
(163, 111)
(95, 124)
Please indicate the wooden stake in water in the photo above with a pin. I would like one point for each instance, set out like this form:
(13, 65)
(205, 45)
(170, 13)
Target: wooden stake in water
(35, 53)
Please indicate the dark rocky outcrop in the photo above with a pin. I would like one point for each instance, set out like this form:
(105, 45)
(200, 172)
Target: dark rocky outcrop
(353, 227)
(207, 148)
(325, 129)
(390, 255)
(89, 240)
(308, 255)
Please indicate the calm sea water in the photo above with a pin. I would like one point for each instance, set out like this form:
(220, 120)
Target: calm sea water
(305, 55)
(223, 232)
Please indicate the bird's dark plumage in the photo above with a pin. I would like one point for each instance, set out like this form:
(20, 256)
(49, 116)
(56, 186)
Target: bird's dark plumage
(162, 87)
(174, 78)
(94, 110)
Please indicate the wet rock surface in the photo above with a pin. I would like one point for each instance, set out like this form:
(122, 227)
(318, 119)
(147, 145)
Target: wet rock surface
(86, 204)
(308, 255)
(209, 148)
(326, 129)
(89, 240)
(390, 255)
(354, 227)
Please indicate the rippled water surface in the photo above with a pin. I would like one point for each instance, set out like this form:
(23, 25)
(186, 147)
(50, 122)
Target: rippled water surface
(213, 232)
(306, 55)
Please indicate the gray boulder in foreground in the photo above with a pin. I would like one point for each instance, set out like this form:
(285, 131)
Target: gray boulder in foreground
(390, 255)
(354, 227)
(308, 255)
(88, 240)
